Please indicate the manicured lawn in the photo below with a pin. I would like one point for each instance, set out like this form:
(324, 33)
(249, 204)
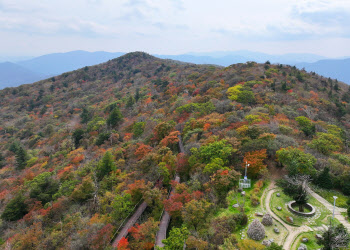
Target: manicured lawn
(250, 210)
(311, 244)
(278, 238)
(328, 195)
(317, 220)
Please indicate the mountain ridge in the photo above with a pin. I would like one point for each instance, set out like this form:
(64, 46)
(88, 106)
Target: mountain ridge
(57, 63)
(79, 151)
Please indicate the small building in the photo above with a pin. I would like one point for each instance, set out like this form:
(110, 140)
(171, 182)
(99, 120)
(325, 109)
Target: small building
(245, 182)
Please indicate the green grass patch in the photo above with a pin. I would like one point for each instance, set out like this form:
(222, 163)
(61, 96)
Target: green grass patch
(317, 220)
(328, 195)
(277, 237)
(284, 213)
(249, 209)
(311, 244)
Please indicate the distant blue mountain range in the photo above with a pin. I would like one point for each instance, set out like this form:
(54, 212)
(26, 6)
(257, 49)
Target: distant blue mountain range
(58, 63)
(337, 69)
(12, 75)
(38, 68)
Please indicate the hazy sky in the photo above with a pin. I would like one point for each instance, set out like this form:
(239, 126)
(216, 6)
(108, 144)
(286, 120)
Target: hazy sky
(35, 27)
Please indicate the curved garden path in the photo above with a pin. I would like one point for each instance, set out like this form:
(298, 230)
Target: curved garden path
(293, 232)
(329, 206)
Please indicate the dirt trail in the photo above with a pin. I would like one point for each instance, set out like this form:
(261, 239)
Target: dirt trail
(276, 172)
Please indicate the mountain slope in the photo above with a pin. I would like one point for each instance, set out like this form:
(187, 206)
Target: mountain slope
(12, 75)
(55, 64)
(79, 151)
(337, 69)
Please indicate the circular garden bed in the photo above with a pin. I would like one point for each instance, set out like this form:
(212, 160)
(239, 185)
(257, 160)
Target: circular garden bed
(308, 207)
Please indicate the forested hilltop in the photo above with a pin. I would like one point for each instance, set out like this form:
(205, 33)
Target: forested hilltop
(79, 151)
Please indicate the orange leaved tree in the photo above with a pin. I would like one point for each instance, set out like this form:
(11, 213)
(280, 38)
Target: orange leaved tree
(255, 159)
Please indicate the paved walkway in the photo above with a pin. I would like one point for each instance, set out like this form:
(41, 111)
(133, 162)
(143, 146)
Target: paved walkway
(293, 232)
(329, 206)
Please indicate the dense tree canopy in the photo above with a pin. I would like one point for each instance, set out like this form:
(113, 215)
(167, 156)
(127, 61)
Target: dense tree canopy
(81, 151)
(296, 161)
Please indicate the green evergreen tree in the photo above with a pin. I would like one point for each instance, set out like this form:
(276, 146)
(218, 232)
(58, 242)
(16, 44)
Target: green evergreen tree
(115, 117)
(336, 237)
(105, 166)
(130, 101)
(84, 191)
(85, 116)
(77, 136)
(306, 125)
(15, 209)
(43, 187)
(274, 246)
(284, 86)
(336, 86)
(324, 179)
(137, 94)
(102, 137)
(2, 160)
(296, 187)
(21, 158)
(346, 188)
(138, 128)
(43, 110)
(14, 146)
(246, 97)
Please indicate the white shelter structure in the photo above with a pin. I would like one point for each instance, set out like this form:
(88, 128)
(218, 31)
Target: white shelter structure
(245, 182)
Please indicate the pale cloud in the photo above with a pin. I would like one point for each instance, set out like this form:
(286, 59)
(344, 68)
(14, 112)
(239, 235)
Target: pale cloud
(172, 26)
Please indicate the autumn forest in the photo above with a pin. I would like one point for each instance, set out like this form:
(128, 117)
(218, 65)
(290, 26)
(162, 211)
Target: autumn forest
(80, 152)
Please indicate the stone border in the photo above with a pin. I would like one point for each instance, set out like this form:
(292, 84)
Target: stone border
(309, 214)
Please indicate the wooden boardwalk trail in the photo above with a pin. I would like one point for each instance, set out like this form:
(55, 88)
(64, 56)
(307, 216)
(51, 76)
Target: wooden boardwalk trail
(181, 146)
(125, 230)
(164, 223)
(163, 226)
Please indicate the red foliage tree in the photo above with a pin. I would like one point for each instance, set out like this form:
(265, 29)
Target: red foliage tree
(182, 163)
(223, 181)
(137, 189)
(170, 139)
(123, 244)
(142, 150)
(143, 236)
(102, 237)
(181, 196)
(255, 159)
